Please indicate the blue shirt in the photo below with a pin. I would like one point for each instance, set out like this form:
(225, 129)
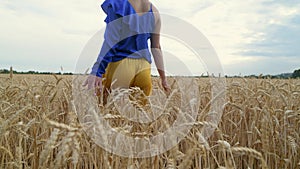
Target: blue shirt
(126, 34)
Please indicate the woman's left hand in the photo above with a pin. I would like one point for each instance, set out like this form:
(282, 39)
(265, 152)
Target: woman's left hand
(93, 82)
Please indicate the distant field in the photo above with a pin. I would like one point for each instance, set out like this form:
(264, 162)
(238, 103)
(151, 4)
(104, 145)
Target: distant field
(259, 128)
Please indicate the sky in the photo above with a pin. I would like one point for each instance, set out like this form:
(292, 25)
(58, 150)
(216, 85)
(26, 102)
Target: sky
(249, 36)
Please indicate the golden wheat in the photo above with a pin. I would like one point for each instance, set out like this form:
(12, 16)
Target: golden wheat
(259, 126)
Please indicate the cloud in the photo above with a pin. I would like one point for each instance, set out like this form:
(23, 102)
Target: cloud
(48, 34)
(279, 40)
(245, 32)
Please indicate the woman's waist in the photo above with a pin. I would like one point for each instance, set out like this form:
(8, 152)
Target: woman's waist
(136, 55)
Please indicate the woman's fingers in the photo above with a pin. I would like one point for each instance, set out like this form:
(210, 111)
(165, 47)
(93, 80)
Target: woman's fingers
(93, 82)
(98, 83)
(90, 82)
(84, 83)
(166, 87)
(87, 82)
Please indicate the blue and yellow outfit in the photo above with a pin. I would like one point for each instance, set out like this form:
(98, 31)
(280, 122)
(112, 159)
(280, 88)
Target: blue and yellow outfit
(125, 58)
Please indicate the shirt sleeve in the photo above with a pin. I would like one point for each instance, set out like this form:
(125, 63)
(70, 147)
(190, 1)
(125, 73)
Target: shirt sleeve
(111, 39)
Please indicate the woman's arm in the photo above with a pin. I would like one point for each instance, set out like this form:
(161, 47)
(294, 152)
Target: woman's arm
(156, 50)
(111, 38)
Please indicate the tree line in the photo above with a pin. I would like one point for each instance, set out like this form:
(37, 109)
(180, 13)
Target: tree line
(6, 71)
(295, 74)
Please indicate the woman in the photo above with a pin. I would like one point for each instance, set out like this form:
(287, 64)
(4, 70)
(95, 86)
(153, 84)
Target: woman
(125, 59)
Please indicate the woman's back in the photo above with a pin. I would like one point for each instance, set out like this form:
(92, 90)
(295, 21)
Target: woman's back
(130, 25)
(140, 6)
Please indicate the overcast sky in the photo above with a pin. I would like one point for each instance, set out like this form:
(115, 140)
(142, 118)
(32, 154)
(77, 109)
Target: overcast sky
(249, 36)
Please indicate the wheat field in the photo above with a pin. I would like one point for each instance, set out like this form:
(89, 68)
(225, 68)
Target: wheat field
(259, 127)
